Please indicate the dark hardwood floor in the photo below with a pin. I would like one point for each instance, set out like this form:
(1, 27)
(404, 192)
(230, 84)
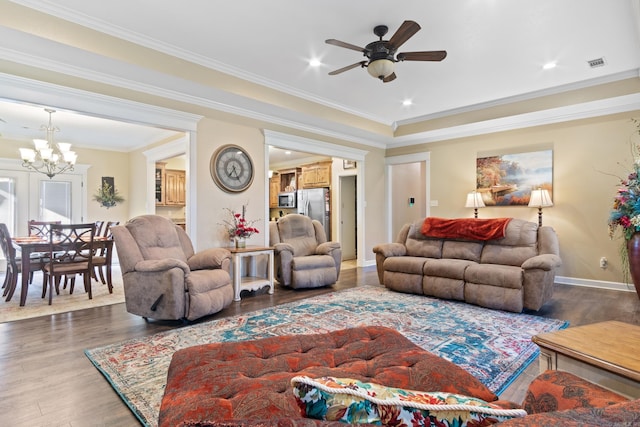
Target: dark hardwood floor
(46, 380)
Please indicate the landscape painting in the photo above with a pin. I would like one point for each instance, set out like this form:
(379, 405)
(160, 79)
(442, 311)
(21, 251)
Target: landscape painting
(507, 180)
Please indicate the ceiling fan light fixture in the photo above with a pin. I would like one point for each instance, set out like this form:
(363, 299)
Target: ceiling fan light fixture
(380, 68)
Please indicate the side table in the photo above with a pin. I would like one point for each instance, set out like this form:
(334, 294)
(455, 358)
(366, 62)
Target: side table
(604, 353)
(250, 281)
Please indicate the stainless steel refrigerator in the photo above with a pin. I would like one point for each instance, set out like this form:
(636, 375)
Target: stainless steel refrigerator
(315, 204)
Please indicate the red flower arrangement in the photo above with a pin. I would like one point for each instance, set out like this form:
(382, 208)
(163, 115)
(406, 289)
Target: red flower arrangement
(238, 226)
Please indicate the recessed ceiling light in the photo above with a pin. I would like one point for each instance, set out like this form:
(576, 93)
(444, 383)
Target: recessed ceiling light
(287, 152)
(314, 62)
(407, 102)
(549, 65)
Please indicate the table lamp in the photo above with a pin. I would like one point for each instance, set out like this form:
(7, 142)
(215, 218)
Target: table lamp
(540, 199)
(474, 200)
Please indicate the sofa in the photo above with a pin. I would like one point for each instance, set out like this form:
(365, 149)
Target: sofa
(249, 383)
(502, 263)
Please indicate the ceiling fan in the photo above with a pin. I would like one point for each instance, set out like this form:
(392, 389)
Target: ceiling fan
(381, 54)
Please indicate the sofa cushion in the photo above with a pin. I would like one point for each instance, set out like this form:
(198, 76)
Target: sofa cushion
(518, 244)
(502, 276)
(421, 246)
(353, 401)
(405, 264)
(449, 268)
(311, 262)
(453, 249)
(251, 379)
(156, 237)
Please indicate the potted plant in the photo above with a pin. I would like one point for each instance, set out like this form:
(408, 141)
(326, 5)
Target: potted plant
(625, 216)
(239, 228)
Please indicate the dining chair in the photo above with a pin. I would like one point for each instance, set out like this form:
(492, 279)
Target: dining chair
(70, 253)
(39, 229)
(99, 225)
(102, 258)
(14, 263)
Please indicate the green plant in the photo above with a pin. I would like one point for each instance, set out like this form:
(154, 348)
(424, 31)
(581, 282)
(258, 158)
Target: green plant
(107, 196)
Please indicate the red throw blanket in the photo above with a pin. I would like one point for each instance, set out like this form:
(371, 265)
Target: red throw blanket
(465, 228)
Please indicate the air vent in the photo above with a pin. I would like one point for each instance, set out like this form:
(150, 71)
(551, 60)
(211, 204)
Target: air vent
(598, 62)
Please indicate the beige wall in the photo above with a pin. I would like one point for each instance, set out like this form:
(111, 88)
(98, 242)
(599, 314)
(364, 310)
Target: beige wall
(211, 200)
(587, 156)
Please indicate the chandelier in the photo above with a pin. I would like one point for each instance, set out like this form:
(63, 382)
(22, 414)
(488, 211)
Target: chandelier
(49, 158)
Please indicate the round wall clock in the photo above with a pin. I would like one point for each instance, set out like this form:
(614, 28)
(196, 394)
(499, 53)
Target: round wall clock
(231, 168)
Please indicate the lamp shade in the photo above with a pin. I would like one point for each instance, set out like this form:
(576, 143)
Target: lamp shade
(380, 68)
(474, 200)
(540, 199)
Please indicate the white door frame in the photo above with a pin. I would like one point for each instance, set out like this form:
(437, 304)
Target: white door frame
(306, 145)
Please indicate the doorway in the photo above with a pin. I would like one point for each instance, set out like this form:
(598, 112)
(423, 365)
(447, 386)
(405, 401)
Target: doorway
(348, 217)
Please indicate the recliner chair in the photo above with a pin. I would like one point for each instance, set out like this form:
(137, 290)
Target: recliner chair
(303, 257)
(163, 277)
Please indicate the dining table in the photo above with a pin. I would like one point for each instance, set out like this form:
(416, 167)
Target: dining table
(35, 244)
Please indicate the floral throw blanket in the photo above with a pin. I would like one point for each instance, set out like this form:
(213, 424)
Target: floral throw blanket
(465, 228)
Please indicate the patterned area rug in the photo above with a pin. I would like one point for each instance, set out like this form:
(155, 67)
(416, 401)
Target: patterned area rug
(494, 346)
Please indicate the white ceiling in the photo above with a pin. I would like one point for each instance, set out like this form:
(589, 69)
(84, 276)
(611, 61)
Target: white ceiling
(496, 50)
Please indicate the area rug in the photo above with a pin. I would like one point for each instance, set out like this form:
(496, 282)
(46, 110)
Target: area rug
(37, 306)
(492, 345)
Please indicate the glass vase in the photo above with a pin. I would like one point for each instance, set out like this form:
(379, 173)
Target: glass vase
(241, 242)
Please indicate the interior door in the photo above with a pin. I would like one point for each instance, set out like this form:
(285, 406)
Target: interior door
(348, 222)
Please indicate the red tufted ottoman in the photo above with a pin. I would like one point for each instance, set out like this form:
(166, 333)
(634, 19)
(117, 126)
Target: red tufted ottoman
(214, 384)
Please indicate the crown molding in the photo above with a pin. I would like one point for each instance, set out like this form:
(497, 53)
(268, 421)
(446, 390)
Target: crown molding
(620, 104)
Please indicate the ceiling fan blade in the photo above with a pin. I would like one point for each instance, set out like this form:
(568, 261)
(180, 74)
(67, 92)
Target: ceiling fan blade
(404, 33)
(347, 68)
(391, 77)
(345, 45)
(433, 55)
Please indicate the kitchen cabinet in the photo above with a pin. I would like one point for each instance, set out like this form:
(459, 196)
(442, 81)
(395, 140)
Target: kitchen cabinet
(170, 186)
(316, 175)
(175, 187)
(289, 180)
(274, 189)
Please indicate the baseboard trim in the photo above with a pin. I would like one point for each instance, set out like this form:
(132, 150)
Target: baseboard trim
(616, 286)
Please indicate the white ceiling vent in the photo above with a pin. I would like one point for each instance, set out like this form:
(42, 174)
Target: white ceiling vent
(598, 62)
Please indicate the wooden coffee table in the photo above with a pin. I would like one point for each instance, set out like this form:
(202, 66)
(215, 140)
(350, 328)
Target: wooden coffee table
(606, 353)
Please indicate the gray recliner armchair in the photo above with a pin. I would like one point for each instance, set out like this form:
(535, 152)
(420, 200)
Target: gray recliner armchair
(303, 257)
(163, 277)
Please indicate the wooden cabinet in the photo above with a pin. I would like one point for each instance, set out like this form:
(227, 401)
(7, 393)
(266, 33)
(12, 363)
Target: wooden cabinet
(175, 187)
(274, 189)
(289, 179)
(170, 186)
(283, 181)
(316, 175)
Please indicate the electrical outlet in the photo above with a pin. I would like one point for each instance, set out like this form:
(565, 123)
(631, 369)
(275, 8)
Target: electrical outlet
(604, 262)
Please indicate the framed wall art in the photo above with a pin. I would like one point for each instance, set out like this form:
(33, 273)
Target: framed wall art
(348, 164)
(507, 179)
